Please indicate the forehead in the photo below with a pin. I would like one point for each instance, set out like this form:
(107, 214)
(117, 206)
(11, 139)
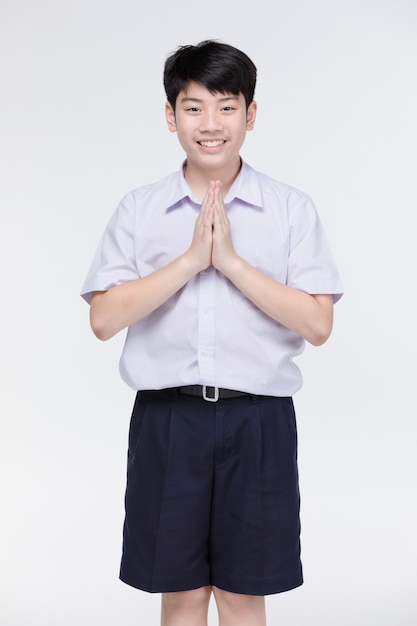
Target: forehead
(197, 92)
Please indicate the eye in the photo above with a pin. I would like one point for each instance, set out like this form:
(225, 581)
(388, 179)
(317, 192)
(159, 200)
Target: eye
(193, 109)
(228, 109)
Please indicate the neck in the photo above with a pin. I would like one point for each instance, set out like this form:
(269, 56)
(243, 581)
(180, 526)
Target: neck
(198, 179)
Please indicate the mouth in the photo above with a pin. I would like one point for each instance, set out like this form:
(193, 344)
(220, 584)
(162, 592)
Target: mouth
(215, 143)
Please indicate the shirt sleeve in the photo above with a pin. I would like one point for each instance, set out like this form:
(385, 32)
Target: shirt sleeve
(114, 262)
(311, 265)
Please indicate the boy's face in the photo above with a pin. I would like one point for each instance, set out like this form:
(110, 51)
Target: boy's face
(211, 127)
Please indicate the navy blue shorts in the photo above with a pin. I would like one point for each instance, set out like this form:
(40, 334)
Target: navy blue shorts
(212, 495)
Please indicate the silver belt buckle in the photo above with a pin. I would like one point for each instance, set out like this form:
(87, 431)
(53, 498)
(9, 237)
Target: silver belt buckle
(216, 393)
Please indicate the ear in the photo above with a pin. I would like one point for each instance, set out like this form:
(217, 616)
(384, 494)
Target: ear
(251, 115)
(170, 118)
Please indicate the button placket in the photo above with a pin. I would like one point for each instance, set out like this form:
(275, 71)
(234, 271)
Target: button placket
(207, 324)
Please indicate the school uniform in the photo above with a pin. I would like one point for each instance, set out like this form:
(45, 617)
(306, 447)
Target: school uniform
(212, 488)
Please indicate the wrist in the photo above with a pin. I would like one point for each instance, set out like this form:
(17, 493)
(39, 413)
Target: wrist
(191, 264)
(231, 267)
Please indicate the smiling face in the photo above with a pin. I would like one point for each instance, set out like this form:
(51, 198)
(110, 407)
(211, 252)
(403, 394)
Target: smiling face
(211, 129)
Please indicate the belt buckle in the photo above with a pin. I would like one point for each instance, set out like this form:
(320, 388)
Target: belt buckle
(216, 393)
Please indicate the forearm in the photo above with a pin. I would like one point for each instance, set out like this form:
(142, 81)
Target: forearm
(125, 304)
(311, 316)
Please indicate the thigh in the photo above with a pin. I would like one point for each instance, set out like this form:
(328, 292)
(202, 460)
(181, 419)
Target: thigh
(255, 518)
(168, 494)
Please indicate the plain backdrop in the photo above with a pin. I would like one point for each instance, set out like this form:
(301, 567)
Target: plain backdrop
(82, 123)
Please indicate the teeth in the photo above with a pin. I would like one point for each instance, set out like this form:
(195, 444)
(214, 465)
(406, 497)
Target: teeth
(211, 144)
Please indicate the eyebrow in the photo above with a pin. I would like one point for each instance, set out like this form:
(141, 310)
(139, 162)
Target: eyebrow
(189, 99)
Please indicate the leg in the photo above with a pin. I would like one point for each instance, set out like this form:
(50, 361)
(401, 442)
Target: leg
(186, 608)
(236, 609)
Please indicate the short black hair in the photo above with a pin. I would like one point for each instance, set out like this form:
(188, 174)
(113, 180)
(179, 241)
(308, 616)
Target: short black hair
(218, 66)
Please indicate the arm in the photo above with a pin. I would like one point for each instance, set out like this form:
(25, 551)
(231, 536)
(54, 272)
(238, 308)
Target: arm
(121, 306)
(125, 304)
(311, 316)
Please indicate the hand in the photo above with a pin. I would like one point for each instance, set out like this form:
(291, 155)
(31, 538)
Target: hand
(223, 252)
(200, 250)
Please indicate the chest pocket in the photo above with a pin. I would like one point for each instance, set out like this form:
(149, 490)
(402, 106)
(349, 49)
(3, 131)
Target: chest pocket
(266, 252)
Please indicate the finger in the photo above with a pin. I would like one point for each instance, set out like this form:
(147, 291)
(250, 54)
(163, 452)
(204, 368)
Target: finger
(220, 214)
(206, 209)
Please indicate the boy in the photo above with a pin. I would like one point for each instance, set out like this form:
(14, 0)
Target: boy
(220, 274)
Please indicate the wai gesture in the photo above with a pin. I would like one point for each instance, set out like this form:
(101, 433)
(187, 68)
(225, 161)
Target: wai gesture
(212, 241)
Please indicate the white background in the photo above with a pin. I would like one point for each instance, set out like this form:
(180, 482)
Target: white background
(81, 124)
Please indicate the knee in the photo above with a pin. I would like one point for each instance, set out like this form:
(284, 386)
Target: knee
(191, 601)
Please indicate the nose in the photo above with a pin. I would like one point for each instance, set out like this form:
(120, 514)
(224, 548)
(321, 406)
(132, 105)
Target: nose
(211, 122)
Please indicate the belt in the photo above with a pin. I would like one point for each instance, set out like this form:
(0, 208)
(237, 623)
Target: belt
(211, 394)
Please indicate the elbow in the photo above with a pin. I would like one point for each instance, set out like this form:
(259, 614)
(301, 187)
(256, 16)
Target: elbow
(101, 333)
(100, 330)
(321, 324)
(98, 323)
(320, 334)
(318, 339)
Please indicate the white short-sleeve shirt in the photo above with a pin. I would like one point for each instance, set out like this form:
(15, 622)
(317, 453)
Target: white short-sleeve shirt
(209, 332)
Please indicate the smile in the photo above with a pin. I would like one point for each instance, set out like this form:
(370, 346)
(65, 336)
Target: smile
(211, 144)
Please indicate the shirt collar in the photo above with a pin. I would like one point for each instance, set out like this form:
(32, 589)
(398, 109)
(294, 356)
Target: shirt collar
(246, 188)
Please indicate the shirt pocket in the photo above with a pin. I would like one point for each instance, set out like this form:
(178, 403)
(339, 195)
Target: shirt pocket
(269, 256)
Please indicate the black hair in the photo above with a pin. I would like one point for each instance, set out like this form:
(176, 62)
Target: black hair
(218, 66)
